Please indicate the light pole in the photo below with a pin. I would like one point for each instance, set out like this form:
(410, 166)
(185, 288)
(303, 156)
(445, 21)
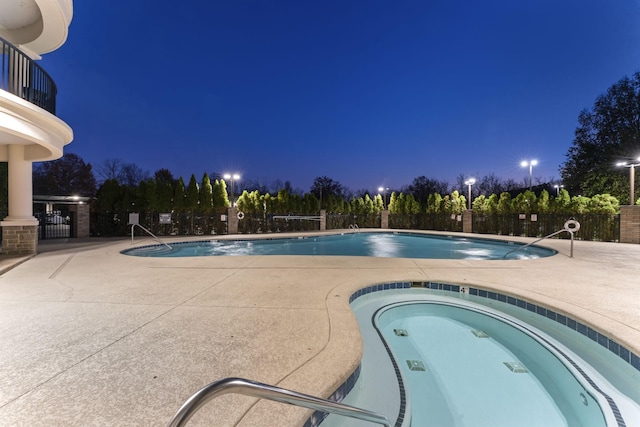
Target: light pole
(232, 178)
(383, 190)
(531, 164)
(469, 183)
(632, 176)
(558, 187)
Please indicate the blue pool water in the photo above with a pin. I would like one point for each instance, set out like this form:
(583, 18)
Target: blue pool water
(434, 358)
(387, 245)
(480, 371)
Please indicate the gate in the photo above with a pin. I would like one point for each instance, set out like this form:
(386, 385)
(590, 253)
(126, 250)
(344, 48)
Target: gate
(55, 224)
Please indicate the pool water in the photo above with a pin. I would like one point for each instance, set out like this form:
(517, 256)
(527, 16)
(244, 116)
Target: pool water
(470, 369)
(385, 245)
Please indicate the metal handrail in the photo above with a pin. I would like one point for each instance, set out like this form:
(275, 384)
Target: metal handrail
(265, 391)
(157, 239)
(566, 228)
(21, 76)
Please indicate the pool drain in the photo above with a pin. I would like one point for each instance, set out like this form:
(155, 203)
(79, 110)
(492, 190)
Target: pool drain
(401, 332)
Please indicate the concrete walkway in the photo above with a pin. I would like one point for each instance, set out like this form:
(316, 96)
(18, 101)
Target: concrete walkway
(93, 337)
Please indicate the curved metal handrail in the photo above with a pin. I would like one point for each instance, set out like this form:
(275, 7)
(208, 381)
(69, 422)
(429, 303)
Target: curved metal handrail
(156, 238)
(265, 391)
(21, 76)
(565, 228)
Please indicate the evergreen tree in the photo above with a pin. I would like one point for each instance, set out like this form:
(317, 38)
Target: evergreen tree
(219, 194)
(178, 195)
(146, 196)
(544, 204)
(192, 194)
(525, 202)
(580, 204)
(562, 203)
(109, 196)
(411, 205)
(504, 203)
(491, 205)
(206, 194)
(480, 204)
(604, 204)
(164, 190)
(434, 203)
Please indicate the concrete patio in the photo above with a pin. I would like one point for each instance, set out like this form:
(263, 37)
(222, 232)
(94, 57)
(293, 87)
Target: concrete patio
(93, 337)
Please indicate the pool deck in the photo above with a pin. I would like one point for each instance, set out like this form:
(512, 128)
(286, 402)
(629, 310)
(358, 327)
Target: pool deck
(93, 337)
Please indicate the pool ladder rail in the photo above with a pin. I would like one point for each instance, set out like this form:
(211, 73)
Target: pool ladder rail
(571, 226)
(157, 239)
(269, 392)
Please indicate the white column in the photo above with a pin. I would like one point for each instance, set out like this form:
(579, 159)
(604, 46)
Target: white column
(20, 188)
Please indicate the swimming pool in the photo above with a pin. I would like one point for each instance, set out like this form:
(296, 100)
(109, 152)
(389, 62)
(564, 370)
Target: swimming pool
(460, 361)
(372, 244)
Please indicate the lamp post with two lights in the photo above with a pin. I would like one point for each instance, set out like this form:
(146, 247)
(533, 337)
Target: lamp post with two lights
(469, 183)
(231, 177)
(383, 190)
(632, 174)
(531, 164)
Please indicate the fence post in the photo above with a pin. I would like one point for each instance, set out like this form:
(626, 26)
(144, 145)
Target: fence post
(629, 224)
(82, 221)
(323, 219)
(467, 221)
(232, 220)
(384, 219)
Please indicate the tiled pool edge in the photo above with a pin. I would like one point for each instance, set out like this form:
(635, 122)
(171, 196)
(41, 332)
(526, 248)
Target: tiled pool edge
(598, 337)
(608, 343)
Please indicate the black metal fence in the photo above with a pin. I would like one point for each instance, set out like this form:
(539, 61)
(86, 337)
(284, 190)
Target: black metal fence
(436, 222)
(592, 227)
(260, 223)
(344, 221)
(180, 224)
(21, 76)
(604, 228)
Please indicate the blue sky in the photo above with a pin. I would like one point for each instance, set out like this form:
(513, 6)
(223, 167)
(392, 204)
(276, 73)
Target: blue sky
(368, 93)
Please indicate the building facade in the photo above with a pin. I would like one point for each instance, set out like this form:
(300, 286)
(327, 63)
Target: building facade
(30, 131)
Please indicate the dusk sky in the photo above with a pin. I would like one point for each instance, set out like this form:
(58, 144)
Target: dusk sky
(368, 93)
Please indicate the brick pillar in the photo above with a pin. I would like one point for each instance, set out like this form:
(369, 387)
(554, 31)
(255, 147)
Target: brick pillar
(629, 224)
(82, 225)
(467, 221)
(384, 219)
(19, 239)
(232, 220)
(323, 219)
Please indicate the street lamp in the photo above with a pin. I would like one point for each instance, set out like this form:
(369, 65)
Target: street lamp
(232, 178)
(632, 175)
(531, 164)
(470, 182)
(558, 187)
(383, 190)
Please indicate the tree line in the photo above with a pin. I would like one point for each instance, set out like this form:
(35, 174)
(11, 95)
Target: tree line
(162, 193)
(607, 134)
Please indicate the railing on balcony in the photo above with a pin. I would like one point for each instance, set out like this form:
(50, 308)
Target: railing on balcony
(21, 76)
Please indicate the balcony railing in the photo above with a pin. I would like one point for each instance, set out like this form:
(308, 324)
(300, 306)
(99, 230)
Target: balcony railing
(21, 76)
